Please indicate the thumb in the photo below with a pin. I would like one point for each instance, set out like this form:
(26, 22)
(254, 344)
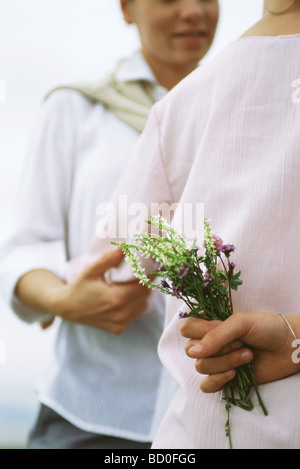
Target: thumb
(107, 261)
(222, 335)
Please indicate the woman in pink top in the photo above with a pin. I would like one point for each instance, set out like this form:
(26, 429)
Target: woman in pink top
(228, 137)
(244, 145)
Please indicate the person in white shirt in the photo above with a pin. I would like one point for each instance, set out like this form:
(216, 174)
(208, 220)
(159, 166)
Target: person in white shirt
(105, 386)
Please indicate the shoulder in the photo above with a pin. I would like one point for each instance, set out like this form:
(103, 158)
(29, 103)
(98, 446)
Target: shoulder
(64, 110)
(187, 106)
(67, 99)
(199, 84)
(204, 90)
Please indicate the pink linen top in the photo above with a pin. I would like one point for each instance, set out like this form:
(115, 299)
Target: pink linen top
(228, 136)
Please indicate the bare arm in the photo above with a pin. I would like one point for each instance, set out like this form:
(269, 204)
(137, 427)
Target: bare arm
(87, 300)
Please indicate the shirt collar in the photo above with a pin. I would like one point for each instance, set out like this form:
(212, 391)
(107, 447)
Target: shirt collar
(135, 67)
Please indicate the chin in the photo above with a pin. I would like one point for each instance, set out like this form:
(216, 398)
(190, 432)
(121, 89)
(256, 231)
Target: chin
(192, 59)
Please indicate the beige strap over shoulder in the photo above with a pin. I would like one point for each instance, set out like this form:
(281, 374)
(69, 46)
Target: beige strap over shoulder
(130, 101)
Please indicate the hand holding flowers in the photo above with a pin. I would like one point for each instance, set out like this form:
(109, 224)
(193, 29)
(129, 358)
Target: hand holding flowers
(218, 347)
(203, 281)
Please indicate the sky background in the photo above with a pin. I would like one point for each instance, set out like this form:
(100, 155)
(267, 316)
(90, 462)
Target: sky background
(44, 43)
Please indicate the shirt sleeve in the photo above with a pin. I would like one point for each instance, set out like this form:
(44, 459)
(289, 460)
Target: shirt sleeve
(142, 191)
(37, 238)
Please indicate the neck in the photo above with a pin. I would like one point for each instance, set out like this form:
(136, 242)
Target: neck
(167, 75)
(285, 23)
(278, 6)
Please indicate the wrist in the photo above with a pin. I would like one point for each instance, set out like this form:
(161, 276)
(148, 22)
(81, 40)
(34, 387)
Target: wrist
(59, 300)
(295, 324)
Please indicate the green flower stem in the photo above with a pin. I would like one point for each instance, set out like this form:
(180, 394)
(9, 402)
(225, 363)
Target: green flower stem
(261, 403)
(227, 424)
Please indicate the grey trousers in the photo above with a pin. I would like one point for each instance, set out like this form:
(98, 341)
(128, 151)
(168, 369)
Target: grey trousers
(51, 431)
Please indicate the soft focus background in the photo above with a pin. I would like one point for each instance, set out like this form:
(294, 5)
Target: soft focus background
(44, 43)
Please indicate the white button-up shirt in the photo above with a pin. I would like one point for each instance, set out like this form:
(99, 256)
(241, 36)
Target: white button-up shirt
(99, 382)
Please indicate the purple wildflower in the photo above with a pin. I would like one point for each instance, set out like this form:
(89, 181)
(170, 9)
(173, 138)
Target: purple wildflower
(183, 271)
(175, 290)
(207, 278)
(217, 241)
(226, 249)
(182, 315)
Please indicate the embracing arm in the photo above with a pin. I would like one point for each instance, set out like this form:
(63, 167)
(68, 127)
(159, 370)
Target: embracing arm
(219, 347)
(88, 300)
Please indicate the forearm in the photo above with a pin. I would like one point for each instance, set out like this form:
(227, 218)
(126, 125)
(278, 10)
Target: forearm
(38, 289)
(295, 324)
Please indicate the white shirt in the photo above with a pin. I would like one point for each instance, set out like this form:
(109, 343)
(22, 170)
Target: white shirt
(99, 382)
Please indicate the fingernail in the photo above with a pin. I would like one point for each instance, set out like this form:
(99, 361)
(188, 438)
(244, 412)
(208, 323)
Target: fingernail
(196, 349)
(246, 355)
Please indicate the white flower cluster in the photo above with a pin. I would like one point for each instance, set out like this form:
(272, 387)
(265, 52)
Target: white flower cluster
(168, 248)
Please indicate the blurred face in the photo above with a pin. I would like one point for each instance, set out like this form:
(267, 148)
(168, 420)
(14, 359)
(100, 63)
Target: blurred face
(174, 32)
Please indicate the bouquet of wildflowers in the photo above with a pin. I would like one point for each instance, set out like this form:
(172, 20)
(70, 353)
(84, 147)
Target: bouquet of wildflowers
(203, 281)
